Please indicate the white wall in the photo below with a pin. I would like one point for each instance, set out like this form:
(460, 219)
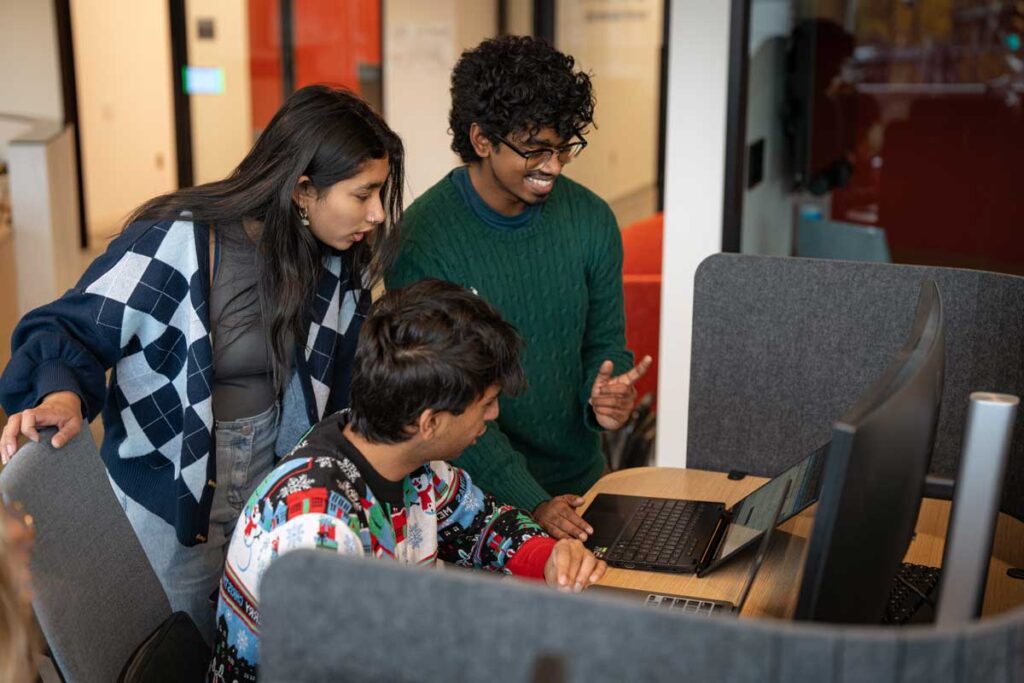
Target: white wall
(519, 17)
(9, 314)
(221, 124)
(422, 42)
(125, 106)
(44, 208)
(694, 193)
(30, 84)
(618, 42)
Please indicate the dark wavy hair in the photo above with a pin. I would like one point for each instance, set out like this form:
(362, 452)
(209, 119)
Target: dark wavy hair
(327, 134)
(514, 84)
(432, 345)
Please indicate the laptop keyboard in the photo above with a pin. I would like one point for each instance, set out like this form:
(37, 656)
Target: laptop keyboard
(660, 533)
(687, 605)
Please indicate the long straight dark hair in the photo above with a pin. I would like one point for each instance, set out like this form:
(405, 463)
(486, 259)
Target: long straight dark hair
(327, 134)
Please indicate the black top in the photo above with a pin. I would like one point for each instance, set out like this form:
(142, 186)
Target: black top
(243, 376)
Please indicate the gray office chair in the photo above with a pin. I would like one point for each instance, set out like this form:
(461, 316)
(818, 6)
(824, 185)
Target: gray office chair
(817, 238)
(328, 617)
(95, 594)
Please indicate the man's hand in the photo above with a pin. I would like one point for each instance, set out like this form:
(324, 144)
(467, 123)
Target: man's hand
(612, 398)
(558, 517)
(571, 567)
(61, 409)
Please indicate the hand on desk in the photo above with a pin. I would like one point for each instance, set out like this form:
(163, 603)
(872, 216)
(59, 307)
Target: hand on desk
(571, 567)
(558, 517)
(612, 398)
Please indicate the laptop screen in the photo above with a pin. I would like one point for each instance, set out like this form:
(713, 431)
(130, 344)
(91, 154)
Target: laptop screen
(798, 486)
(762, 550)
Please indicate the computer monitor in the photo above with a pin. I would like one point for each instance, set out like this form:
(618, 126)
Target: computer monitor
(873, 480)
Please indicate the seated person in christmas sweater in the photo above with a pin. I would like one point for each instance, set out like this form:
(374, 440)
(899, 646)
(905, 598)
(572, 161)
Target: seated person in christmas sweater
(374, 480)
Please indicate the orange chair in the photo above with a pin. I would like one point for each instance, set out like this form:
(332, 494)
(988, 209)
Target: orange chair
(641, 282)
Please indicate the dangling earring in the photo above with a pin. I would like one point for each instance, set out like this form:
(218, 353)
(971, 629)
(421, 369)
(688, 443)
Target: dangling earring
(304, 216)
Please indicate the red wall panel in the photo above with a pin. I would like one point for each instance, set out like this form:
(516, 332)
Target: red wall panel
(264, 60)
(331, 39)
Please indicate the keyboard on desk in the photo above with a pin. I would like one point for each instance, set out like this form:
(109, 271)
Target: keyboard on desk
(905, 604)
(688, 605)
(661, 535)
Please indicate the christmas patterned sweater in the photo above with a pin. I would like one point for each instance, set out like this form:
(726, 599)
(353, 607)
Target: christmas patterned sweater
(325, 495)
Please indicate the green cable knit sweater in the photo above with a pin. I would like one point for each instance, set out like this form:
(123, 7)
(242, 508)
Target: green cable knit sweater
(559, 281)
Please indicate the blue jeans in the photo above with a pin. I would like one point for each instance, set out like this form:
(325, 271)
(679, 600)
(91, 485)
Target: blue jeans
(191, 574)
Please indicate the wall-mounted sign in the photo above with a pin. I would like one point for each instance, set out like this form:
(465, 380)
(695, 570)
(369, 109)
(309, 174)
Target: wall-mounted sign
(203, 80)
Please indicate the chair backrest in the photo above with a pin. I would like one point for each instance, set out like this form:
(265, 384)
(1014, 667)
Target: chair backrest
(783, 346)
(329, 617)
(95, 594)
(641, 284)
(817, 238)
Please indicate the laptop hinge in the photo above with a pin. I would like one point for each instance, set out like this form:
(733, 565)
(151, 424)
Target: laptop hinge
(724, 519)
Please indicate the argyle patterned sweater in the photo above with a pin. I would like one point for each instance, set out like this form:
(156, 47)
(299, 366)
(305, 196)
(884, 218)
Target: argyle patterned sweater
(141, 309)
(559, 281)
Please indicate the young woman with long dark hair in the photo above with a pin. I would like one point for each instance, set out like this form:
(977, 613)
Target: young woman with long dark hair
(227, 315)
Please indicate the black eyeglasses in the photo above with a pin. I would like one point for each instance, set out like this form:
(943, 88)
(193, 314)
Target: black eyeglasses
(535, 158)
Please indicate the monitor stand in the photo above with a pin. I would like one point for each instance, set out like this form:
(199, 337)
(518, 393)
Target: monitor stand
(976, 498)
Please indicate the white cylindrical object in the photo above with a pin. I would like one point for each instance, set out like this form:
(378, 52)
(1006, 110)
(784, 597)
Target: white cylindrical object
(976, 498)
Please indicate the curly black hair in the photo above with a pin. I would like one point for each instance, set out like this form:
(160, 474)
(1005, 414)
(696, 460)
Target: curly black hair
(516, 84)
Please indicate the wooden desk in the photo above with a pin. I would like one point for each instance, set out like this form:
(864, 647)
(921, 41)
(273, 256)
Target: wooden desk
(777, 585)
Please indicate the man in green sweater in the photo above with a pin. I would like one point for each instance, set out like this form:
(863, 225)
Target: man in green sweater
(546, 252)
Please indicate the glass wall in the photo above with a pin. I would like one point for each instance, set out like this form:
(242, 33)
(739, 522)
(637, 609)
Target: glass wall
(886, 123)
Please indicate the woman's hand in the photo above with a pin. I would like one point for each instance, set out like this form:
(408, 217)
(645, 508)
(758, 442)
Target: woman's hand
(61, 409)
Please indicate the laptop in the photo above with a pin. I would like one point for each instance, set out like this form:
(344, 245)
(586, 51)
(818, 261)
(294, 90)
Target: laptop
(695, 536)
(704, 606)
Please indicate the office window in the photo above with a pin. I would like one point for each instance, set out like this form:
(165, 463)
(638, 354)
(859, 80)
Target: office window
(904, 116)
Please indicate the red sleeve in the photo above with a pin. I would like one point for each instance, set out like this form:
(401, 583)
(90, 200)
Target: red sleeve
(530, 559)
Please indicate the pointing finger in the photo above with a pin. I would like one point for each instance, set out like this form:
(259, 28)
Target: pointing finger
(638, 371)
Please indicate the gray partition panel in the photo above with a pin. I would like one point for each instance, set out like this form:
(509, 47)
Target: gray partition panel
(809, 659)
(783, 346)
(985, 656)
(869, 659)
(922, 662)
(327, 617)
